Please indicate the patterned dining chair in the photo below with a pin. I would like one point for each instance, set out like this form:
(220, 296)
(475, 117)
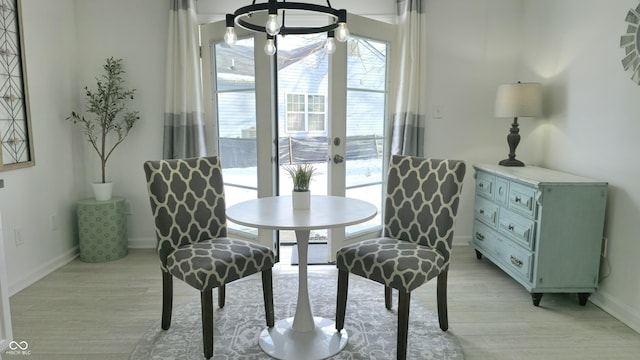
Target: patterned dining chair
(187, 201)
(420, 206)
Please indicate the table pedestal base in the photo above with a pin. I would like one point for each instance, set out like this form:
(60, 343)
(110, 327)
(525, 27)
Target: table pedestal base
(281, 342)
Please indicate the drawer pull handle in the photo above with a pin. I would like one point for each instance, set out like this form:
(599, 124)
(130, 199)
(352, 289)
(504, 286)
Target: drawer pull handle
(481, 211)
(481, 185)
(479, 236)
(518, 199)
(515, 261)
(510, 227)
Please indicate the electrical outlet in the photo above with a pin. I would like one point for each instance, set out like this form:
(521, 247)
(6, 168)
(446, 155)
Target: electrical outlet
(17, 237)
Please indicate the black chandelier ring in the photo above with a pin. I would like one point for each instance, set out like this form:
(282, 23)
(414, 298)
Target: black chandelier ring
(339, 15)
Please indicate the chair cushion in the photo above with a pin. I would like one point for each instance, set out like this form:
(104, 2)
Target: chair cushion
(396, 263)
(212, 263)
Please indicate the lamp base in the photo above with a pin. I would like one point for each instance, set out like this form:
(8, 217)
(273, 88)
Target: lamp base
(511, 162)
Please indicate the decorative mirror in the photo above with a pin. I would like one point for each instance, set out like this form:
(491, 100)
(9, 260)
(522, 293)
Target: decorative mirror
(16, 150)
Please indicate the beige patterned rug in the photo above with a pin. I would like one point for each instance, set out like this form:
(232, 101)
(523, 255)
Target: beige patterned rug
(237, 327)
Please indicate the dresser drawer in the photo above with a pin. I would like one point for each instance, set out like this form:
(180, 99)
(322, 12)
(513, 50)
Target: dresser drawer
(485, 185)
(501, 190)
(522, 199)
(484, 238)
(516, 259)
(518, 228)
(486, 211)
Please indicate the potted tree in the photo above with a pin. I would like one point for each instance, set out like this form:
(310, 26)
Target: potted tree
(301, 175)
(108, 126)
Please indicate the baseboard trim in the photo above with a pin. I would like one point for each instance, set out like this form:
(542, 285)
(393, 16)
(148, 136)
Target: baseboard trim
(461, 240)
(142, 243)
(613, 307)
(43, 270)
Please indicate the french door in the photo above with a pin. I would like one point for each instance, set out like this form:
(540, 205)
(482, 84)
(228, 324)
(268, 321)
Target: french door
(301, 106)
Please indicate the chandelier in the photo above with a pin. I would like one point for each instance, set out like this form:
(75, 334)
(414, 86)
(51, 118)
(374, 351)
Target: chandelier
(337, 29)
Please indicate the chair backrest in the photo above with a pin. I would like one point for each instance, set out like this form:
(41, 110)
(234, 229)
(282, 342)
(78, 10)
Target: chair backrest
(187, 202)
(421, 200)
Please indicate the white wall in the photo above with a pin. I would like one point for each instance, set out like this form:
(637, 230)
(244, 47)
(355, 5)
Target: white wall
(592, 125)
(135, 31)
(33, 195)
(473, 46)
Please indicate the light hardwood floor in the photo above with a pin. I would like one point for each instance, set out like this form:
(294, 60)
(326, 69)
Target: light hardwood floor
(99, 311)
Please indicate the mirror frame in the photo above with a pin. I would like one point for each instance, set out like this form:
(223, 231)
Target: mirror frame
(20, 139)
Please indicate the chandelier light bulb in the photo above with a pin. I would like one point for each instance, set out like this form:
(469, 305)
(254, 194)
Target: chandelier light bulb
(342, 32)
(330, 45)
(272, 26)
(230, 36)
(270, 47)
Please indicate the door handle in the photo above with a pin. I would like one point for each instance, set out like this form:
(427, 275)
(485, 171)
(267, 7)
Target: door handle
(337, 159)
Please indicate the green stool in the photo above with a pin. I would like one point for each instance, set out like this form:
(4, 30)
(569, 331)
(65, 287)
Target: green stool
(102, 229)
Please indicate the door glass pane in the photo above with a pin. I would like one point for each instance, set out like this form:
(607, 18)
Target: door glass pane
(236, 104)
(366, 114)
(302, 93)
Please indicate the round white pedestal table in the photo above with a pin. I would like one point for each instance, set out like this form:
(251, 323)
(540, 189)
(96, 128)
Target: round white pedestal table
(303, 336)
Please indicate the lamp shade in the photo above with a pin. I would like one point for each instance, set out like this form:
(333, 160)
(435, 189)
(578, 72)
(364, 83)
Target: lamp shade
(519, 100)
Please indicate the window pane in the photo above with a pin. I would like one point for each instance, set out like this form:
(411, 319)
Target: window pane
(236, 105)
(235, 68)
(316, 122)
(366, 114)
(316, 103)
(364, 193)
(295, 122)
(367, 64)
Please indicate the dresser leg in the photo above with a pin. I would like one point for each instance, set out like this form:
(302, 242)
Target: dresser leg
(536, 297)
(478, 255)
(582, 298)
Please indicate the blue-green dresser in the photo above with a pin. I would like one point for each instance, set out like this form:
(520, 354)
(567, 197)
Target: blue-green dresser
(102, 229)
(542, 227)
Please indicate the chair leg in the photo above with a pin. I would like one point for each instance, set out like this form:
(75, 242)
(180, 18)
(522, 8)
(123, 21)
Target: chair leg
(404, 301)
(206, 303)
(221, 296)
(167, 299)
(443, 318)
(341, 306)
(267, 290)
(388, 297)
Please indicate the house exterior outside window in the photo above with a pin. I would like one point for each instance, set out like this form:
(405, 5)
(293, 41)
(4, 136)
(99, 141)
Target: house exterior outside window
(305, 113)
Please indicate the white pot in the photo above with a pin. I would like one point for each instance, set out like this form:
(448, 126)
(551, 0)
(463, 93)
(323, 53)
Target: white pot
(102, 191)
(301, 200)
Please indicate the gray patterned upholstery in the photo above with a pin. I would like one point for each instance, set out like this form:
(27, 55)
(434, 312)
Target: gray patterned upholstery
(421, 203)
(187, 201)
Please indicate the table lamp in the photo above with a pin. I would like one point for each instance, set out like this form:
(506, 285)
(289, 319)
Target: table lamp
(514, 101)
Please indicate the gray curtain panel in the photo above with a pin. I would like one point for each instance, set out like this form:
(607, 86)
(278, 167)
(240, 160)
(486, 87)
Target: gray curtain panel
(407, 134)
(185, 133)
(408, 129)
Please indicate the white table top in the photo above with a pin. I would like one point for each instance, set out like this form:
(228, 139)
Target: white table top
(276, 213)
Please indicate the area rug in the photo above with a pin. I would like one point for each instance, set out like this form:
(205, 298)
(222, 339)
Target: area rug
(237, 326)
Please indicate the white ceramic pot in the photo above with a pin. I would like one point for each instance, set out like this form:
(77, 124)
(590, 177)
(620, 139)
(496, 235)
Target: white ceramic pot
(301, 200)
(102, 191)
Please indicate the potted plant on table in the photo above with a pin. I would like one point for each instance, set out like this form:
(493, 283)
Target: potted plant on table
(301, 175)
(107, 127)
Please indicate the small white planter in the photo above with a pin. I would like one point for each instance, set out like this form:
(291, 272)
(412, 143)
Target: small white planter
(102, 191)
(301, 200)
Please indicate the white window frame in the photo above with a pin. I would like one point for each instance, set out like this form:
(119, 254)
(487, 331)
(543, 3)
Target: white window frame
(306, 114)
